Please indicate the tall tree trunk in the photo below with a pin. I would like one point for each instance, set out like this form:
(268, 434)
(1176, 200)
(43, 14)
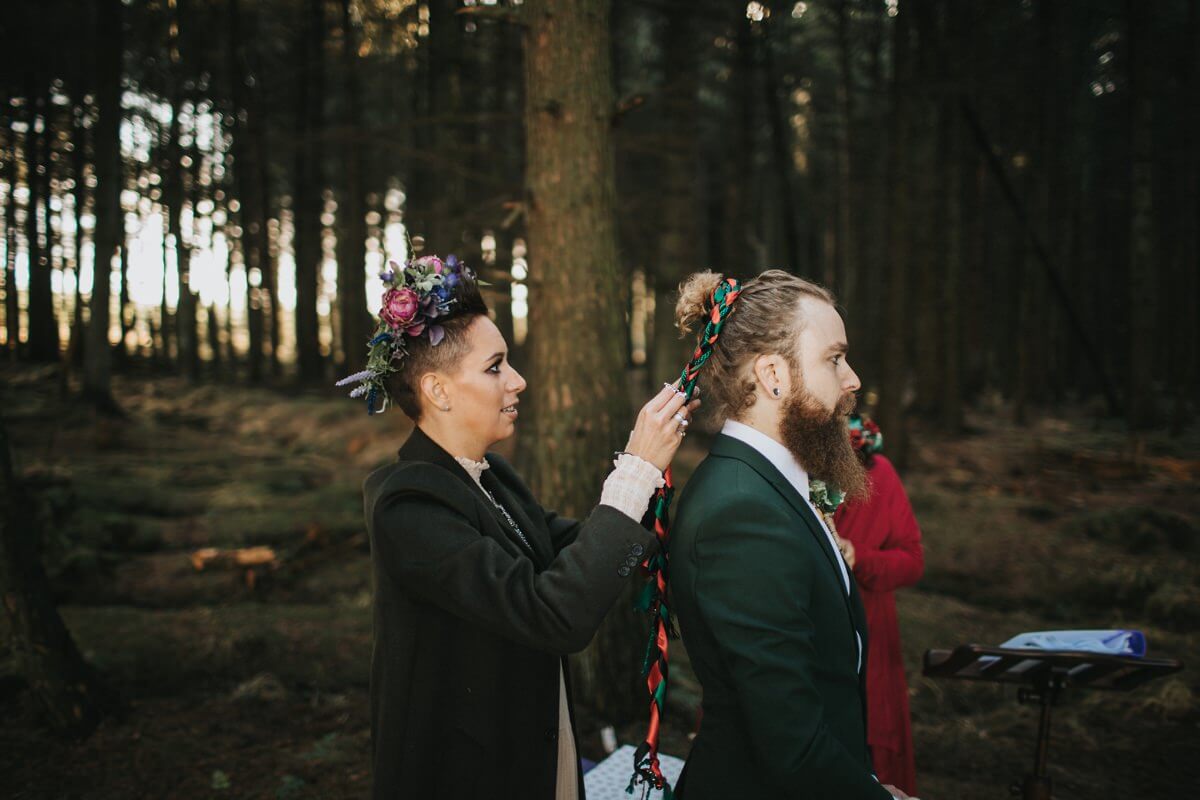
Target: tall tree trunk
(43, 330)
(97, 367)
(927, 238)
(573, 256)
(307, 201)
(352, 244)
(950, 205)
(12, 308)
(895, 354)
(847, 278)
(45, 655)
(79, 174)
(175, 176)
(781, 149)
(733, 215)
(1189, 240)
(250, 172)
(679, 228)
(1143, 276)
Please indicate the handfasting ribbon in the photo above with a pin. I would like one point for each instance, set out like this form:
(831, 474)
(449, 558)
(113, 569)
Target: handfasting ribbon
(646, 769)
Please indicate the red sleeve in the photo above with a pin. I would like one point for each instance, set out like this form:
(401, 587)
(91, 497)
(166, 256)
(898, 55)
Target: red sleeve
(899, 560)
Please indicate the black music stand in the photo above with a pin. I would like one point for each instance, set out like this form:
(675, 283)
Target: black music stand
(1041, 675)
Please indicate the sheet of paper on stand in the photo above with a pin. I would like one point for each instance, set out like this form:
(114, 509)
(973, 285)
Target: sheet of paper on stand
(609, 779)
(1111, 642)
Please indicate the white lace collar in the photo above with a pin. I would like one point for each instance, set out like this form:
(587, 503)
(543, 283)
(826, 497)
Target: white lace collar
(473, 468)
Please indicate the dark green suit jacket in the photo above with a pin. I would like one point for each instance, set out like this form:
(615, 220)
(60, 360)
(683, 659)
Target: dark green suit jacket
(770, 631)
(471, 626)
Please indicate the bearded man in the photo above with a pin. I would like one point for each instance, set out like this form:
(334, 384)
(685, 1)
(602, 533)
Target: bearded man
(768, 610)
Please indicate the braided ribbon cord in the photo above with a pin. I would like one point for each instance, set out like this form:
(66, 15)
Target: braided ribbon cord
(654, 597)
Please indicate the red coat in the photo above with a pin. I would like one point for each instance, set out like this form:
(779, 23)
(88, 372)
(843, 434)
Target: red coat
(887, 548)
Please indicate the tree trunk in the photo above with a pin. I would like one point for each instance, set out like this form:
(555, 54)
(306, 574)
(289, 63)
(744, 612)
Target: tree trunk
(950, 203)
(927, 238)
(781, 148)
(847, 278)
(97, 367)
(45, 654)
(1189, 240)
(679, 228)
(307, 201)
(352, 244)
(43, 330)
(250, 172)
(12, 309)
(895, 353)
(175, 175)
(575, 314)
(1143, 277)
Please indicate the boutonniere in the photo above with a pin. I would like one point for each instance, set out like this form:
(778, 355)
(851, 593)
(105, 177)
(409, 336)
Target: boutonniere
(825, 499)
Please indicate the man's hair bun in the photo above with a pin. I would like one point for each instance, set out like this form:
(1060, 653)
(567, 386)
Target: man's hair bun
(695, 300)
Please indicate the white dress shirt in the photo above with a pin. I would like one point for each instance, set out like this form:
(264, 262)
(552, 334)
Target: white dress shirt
(783, 460)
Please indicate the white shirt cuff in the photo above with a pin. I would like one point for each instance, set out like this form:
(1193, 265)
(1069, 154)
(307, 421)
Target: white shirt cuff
(629, 487)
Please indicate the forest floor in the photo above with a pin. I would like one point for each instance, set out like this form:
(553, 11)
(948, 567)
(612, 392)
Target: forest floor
(250, 681)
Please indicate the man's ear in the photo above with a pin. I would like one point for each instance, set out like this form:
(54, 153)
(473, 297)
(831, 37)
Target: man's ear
(773, 376)
(433, 392)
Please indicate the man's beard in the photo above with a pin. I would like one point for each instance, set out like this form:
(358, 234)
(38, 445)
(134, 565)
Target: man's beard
(818, 439)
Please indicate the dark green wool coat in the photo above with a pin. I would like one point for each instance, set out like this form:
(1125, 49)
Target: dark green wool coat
(769, 629)
(471, 626)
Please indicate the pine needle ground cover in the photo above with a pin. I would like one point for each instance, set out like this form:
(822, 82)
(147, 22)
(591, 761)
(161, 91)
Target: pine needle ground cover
(246, 676)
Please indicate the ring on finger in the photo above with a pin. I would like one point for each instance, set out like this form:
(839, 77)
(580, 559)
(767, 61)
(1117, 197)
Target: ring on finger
(681, 419)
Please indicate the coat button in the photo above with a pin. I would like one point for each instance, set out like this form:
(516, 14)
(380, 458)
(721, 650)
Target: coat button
(632, 561)
(623, 571)
(551, 734)
(637, 549)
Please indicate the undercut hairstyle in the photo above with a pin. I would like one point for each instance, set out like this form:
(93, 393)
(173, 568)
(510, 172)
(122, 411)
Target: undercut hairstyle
(766, 319)
(423, 357)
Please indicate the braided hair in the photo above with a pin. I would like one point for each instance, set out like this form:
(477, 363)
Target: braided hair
(768, 313)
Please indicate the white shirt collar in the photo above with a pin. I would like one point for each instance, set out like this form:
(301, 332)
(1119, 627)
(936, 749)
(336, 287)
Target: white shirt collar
(779, 456)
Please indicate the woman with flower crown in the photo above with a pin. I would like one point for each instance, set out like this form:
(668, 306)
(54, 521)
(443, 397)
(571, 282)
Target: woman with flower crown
(479, 592)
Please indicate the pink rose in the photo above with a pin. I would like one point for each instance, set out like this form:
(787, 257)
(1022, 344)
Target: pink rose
(425, 262)
(399, 307)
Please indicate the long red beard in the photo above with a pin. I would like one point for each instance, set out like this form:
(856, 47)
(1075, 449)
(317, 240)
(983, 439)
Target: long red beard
(817, 438)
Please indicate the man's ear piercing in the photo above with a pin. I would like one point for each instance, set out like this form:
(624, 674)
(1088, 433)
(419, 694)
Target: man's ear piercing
(775, 391)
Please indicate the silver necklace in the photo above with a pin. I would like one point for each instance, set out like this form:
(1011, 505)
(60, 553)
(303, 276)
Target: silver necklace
(511, 522)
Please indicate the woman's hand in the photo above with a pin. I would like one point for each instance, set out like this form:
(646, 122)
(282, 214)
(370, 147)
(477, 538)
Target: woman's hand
(660, 427)
(847, 548)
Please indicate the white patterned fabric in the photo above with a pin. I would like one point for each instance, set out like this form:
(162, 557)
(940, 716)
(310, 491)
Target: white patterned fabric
(629, 487)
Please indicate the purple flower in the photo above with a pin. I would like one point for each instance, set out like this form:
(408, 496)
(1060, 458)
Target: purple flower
(436, 333)
(355, 378)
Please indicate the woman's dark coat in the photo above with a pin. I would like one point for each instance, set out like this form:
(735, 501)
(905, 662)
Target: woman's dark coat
(471, 627)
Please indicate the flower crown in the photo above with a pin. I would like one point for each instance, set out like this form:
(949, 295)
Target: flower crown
(418, 294)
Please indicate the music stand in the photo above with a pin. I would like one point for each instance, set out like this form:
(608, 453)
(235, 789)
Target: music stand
(1041, 676)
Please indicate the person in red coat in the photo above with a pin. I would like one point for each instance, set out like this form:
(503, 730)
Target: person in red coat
(882, 545)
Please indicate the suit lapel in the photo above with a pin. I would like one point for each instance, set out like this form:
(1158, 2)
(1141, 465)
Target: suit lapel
(729, 447)
(419, 447)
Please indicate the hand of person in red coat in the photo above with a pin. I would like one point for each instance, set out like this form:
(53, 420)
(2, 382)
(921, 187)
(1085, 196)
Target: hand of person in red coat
(847, 548)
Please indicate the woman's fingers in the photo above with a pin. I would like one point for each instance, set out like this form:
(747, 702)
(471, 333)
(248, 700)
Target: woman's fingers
(660, 400)
(672, 406)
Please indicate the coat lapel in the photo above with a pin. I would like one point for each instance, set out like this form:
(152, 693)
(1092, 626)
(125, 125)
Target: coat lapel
(533, 526)
(730, 447)
(419, 447)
